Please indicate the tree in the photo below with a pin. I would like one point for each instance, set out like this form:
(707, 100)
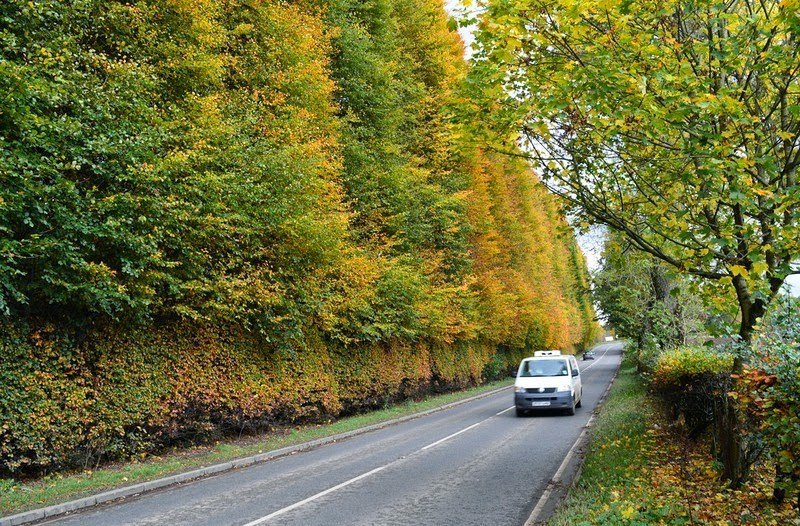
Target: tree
(642, 300)
(676, 123)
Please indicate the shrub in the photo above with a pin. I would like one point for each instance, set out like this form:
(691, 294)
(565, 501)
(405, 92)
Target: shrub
(691, 380)
(72, 402)
(645, 355)
(689, 365)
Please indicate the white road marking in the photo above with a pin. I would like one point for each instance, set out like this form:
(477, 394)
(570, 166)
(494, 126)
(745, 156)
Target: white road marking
(504, 410)
(556, 480)
(448, 437)
(281, 511)
(557, 477)
(596, 361)
(266, 518)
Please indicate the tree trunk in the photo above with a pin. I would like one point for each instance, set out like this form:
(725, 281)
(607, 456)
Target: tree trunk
(731, 443)
(681, 335)
(751, 311)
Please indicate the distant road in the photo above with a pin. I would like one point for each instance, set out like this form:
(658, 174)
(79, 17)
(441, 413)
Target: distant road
(474, 464)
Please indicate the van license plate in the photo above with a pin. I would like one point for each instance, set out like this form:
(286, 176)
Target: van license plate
(540, 404)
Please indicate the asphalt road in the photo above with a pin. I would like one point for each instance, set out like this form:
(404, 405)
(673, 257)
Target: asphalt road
(474, 464)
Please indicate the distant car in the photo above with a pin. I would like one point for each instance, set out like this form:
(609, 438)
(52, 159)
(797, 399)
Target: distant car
(609, 338)
(548, 380)
(588, 355)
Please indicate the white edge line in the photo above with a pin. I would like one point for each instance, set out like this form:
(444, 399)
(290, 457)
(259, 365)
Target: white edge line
(537, 510)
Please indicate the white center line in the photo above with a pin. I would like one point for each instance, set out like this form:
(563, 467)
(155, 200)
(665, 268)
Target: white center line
(504, 410)
(448, 437)
(596, 361)
(281, 511)
(266, 518)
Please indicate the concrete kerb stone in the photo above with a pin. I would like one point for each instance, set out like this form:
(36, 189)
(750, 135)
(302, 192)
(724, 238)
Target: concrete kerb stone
(133, 490)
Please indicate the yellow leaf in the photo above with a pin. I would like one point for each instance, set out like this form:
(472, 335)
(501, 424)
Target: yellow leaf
(759, 267)
(738, 270)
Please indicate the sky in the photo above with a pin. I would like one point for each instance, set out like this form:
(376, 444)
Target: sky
(794, 285)
(455, 8)
(591, 244)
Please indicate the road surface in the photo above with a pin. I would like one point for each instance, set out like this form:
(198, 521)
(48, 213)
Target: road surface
(474, 464)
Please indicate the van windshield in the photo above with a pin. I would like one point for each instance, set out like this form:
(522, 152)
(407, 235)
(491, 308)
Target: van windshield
(545, 368)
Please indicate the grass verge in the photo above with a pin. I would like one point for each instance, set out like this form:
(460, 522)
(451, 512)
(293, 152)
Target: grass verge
(16, 496)
(641, 470)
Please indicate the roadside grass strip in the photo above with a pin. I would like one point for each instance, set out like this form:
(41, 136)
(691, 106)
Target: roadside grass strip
(18, 496)
(641, 470)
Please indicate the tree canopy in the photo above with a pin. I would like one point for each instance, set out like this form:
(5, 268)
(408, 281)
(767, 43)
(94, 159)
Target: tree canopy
(674, 122)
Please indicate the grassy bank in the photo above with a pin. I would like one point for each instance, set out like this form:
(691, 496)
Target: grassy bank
(21, 496)
(640, 470)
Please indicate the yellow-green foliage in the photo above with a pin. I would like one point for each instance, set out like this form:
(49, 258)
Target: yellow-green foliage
(684, 365)
(218, 215)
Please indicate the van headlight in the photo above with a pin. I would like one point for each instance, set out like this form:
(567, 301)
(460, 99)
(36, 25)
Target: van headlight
(564, 388)
(519, 389)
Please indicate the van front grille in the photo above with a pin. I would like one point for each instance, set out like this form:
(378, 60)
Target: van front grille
(540, 390)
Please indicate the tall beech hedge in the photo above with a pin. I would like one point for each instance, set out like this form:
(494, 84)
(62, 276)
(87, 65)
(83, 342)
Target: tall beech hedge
(218, 215)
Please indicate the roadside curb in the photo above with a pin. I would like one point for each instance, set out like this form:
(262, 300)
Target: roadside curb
(214, 469)
(564, 480)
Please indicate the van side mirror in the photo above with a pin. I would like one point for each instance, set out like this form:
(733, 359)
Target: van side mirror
(575, 372)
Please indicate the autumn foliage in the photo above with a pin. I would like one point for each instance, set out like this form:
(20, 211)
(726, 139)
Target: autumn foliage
(218, 215)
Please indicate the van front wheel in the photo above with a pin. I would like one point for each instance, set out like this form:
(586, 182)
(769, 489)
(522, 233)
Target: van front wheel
(571, 410)
(520, 412)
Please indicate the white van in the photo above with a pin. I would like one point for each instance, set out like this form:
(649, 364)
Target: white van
(548, 380)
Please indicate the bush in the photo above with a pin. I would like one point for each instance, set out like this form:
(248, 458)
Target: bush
(71, 402)
(645, 356)
(691, 380)
(689, 365)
